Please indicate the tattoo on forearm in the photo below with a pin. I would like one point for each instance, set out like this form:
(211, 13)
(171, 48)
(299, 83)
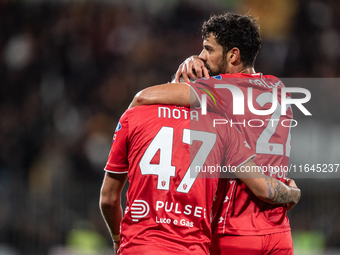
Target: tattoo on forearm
(278, 192)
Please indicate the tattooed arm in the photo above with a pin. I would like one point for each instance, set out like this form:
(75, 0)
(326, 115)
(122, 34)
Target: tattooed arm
(279, 193)
(267, 188)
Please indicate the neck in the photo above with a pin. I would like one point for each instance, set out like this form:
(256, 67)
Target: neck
(242, 69)
(247, 70)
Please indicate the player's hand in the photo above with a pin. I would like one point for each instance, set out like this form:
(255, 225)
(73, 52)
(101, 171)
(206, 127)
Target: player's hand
(291, 183)
(116, 246)
(192, 68)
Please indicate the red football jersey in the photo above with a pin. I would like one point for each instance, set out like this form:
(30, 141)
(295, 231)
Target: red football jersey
(164, 150)
(246, 101)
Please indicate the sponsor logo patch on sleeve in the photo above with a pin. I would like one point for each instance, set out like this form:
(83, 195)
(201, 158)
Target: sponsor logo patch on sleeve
(119, 127)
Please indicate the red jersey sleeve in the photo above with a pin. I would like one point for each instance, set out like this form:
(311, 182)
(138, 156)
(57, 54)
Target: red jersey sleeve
(206, 87)
(118, 158)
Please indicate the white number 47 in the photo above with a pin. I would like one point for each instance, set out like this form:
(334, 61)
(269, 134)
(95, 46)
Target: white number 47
(163, 142)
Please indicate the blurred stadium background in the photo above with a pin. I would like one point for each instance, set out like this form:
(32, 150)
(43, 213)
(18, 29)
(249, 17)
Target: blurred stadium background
(68, 71)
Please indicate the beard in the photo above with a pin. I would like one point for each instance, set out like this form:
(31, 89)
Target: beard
(221, 68)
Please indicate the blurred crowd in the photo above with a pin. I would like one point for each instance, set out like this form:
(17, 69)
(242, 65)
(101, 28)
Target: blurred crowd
(68, 71)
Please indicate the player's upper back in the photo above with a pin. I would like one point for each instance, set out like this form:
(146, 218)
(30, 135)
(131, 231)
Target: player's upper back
(252, 103)
(167, 197)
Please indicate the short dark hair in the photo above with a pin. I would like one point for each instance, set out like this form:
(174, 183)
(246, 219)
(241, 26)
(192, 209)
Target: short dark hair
(234, 30)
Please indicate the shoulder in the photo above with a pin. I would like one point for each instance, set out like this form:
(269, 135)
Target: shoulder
(268, 76)
(140, 110)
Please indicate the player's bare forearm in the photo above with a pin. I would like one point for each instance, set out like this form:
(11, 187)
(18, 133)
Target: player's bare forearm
(110, 203)
(267, 188)
(169, 93)
(112, 217)
(112, 214)
(280, 193)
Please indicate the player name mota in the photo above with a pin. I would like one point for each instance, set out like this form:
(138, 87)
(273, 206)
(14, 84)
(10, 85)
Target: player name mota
(165, 112)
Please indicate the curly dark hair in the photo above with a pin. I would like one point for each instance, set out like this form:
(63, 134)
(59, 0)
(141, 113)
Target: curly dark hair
(234, 30)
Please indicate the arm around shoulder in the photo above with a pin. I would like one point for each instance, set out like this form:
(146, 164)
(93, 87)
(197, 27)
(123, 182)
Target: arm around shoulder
(267, 188)
(169, 93)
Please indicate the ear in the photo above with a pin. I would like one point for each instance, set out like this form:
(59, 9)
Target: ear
(234, 56)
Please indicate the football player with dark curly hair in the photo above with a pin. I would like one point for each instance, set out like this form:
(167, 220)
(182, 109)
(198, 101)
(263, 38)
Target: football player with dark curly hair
(225, 79)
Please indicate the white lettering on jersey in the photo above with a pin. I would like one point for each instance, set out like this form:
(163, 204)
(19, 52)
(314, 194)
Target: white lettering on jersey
(163, 220)
(187, 209)
(268, 84)
(166, 112)
(198, 211)
(168, 221)
(186, 223)
(159, 204)
(176, 208)
(166, 205)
